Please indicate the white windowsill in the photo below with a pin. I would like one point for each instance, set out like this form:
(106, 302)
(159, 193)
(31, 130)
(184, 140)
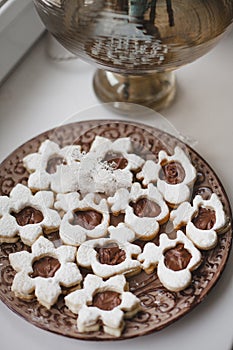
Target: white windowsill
(20, 26)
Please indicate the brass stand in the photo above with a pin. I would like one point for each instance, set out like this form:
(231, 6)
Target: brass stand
(153, 90)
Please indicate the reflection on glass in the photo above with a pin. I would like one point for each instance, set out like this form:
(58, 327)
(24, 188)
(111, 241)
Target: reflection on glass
(132, 37)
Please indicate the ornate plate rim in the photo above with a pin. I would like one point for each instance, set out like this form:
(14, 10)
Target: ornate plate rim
(99, 123)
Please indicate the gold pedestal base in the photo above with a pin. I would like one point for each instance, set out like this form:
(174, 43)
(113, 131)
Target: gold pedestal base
(153, 90)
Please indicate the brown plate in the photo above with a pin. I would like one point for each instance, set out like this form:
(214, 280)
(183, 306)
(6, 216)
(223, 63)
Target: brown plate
(160, 307)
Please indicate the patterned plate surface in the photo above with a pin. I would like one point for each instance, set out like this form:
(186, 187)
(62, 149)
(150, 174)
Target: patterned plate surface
(159, 306)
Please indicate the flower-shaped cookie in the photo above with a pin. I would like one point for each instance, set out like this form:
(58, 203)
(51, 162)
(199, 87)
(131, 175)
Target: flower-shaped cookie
(43, 271)
(108, 257)
(53, 167)
(116, 153)
(26, 215)
(144, 208)
(202, 220)
(175, 260)
(103, 302)
(98, 176)
(83, 218)
(174, 176)
(107, 167)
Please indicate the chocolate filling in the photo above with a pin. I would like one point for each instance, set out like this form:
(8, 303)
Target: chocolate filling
(173, 173)
(177, 258)
(106, 300)
(88, 219)
(27, 216)
(45, 267)
(205, 219)
(145, 208)
(111, 254)
(53, 163)
(116, 160)
(116, 219)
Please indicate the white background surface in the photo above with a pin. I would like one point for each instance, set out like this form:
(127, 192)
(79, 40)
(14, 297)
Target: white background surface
(20, 26)
(41, 94)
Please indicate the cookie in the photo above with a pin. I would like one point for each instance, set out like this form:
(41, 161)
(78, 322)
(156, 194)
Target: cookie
(108, 166)
(174, 176)
(98, 176)
(175, 259)
(202, 220)
(53, 167)
(144, 208)
(103, 304)
(43, 272)
(83, 218)
(27, 216)
(121, 233)
(118, 153)
(107, 257)
(169, 305)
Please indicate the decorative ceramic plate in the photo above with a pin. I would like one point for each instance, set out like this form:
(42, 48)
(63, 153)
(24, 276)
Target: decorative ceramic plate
(160, 307)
